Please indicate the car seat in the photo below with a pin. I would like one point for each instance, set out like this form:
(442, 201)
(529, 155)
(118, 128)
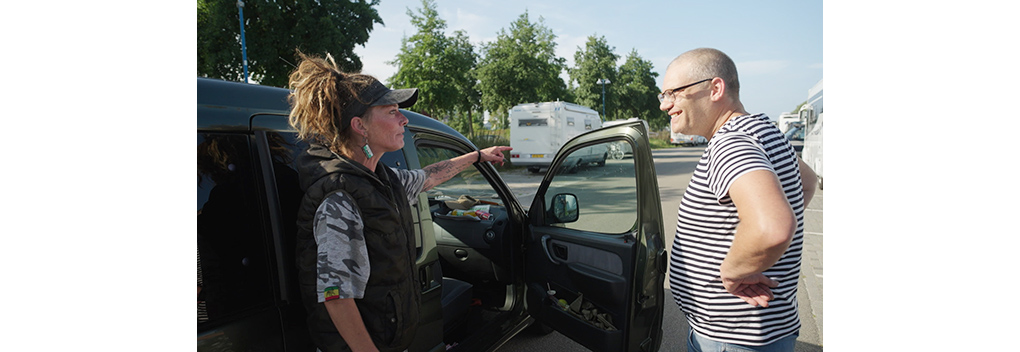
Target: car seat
(456, 300)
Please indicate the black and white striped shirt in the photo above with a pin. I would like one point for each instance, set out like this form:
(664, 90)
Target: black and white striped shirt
(707, 222)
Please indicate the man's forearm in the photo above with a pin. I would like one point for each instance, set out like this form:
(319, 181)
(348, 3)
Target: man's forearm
(756, 248)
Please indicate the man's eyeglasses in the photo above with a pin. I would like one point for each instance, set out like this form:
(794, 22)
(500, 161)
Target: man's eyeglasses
(668, 94)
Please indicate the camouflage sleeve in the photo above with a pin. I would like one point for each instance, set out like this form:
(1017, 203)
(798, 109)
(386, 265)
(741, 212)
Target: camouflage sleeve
(413, 181)
(342, 265)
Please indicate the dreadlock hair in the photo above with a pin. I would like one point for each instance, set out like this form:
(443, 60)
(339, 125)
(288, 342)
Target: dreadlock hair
(320, 92)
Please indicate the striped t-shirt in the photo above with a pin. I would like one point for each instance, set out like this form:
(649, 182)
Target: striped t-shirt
(706, 224)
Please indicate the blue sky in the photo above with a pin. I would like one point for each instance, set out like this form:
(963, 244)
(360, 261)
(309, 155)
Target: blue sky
(777, 45)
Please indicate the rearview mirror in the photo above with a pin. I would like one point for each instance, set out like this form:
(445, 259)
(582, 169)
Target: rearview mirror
(564, 208)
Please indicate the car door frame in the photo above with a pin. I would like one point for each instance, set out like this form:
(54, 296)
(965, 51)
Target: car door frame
(641, 251)
(516, 316)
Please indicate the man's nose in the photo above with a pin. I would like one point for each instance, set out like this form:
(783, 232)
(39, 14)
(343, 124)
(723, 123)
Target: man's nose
(665, 105)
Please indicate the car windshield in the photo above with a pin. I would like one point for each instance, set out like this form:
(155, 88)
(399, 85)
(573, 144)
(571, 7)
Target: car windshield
(795, 133)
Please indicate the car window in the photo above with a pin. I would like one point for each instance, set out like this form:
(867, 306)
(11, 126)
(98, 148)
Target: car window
(468, 182)
(233, 272)
(605, 189)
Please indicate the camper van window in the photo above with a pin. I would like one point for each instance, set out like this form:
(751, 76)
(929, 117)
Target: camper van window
(587, 124)
(570, 121)
(533, 122)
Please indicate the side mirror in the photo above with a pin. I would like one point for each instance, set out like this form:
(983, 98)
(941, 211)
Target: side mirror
(563, 208)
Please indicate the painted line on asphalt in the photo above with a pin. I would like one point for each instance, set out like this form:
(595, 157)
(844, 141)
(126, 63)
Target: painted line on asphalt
(813, 233)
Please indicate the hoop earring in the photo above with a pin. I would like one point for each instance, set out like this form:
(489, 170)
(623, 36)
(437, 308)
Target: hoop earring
(366, 149)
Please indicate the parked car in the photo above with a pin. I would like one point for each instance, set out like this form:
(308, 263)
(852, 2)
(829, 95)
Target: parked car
(686, 139)
(591, 240)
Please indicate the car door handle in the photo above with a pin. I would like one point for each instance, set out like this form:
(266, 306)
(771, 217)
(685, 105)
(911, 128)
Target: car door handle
(559, 251)
(545, 248)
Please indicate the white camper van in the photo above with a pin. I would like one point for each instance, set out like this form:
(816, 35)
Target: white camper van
(811, 114)
(538, 130)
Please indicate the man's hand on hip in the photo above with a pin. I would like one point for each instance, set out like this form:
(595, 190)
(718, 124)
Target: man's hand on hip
(755, 289)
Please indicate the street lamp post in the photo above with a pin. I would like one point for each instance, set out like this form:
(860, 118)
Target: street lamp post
(244, 50)
(603, 82)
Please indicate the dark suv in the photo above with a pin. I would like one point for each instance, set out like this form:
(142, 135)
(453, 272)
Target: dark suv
(587, 258)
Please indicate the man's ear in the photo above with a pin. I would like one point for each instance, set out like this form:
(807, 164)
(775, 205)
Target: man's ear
(718, 89)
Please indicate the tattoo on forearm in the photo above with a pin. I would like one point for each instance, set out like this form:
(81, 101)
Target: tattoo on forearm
(438, 173)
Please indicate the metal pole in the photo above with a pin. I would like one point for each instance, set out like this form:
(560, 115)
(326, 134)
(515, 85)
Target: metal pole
(603, 81)
(244, 49)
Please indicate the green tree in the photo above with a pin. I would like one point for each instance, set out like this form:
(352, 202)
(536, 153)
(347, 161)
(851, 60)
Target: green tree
(520, 66)
(797, 109)
(596, 61)
(439, 66)
(464, 60)
(637, 91)
(274, 29)
(420, 62)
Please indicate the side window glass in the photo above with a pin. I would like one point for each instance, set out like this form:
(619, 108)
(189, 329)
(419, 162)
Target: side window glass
(591, 192)
(284, 149)
(233, 268)
(468, 182)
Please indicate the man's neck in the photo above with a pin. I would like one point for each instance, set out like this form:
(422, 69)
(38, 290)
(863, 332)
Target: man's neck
(727, 114)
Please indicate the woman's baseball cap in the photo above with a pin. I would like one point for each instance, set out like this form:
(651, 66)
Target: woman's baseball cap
(376, 94)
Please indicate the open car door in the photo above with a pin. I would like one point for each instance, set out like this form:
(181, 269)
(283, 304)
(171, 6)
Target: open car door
(595, 256)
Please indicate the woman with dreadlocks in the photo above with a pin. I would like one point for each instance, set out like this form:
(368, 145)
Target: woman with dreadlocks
(355, 237)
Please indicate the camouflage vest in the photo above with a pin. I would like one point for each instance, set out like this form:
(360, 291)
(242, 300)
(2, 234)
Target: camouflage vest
(392, 298)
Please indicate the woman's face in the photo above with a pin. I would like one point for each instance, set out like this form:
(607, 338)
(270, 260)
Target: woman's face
(385, 126)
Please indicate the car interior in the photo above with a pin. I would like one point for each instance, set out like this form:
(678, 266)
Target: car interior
(472, 231)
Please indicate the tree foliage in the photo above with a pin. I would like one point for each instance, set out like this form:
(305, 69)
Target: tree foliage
(469, 99)
(796, 110)
(440, 66)
(596, 61)
(520, 66)
(274, 29)
(637, 91)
